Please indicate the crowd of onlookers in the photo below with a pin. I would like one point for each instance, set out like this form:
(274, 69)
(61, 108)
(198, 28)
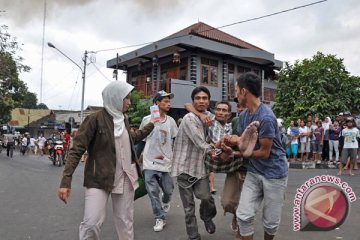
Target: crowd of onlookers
(334, 141)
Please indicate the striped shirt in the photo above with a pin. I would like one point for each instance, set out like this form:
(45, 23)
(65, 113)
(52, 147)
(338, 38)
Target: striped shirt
(190, 148)
(218, 131)
(214, 134)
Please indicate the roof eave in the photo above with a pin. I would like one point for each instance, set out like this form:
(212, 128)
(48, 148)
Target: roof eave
(198, 42)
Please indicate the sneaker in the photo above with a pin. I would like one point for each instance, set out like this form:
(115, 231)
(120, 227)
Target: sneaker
(159, 225)
(166, 207)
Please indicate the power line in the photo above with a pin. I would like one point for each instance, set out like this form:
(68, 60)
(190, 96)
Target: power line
(214, 28)
(101, 72)
(72, 94)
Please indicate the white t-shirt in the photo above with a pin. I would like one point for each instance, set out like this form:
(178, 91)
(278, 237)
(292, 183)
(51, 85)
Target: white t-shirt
(24, 141)
(303, 130)
(159, 143)
(32, 142)
(350, 135)
(41, 141)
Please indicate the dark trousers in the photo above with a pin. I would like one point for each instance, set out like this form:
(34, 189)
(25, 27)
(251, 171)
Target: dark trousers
(325, 151)
(188, 188)
(8, 146)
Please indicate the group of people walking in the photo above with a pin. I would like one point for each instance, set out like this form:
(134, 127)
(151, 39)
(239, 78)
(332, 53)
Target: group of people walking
(28, 144)
(248, 150)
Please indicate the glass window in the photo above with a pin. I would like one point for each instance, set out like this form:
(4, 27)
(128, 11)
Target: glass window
(205, 74)
(231, 82)
(209, 71)
(183, 73)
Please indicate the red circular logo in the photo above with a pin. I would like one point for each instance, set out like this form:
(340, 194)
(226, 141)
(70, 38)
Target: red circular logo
(326, 207)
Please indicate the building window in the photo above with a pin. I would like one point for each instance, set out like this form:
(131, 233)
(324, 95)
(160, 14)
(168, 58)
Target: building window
(209, 71)
(269, 94)
(231, 82)
(257, 72)
(183, 73)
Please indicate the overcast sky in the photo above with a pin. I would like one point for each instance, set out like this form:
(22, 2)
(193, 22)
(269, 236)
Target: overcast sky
(74, 26)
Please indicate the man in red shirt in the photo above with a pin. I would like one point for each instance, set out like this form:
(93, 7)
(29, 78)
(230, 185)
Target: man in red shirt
(66, 142)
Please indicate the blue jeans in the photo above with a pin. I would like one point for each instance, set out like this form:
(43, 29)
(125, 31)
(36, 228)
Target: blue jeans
(256, 189)
(154, 180)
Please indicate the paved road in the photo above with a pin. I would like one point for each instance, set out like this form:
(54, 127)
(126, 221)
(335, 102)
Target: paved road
(30, 209)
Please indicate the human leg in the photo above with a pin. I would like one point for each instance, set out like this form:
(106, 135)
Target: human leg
(250, 201)
(187, 199)
(331, 148)
(336, 149)
(344, 157)
(207, 206)
(94, 213)
(167, 186)
(153, 189)
(123, 211)
(212, 182)
(288, 153)
(353, 153)
(274, 196)
(294, 150)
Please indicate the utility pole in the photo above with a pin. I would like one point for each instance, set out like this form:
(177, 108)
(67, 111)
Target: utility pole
(83, 87)
(42, 52)
(83, 71)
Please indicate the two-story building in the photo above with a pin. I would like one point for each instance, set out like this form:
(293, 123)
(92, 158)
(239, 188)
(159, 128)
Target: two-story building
(197, 55)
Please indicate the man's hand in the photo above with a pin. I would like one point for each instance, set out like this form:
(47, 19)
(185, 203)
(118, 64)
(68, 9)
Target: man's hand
(225, 155)
(64, 194)
(154, 120)
(206, 120)
(230, 140)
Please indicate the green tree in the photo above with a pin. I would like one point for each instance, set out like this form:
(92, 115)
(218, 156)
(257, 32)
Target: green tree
(42, 106)
(12, 90)
(28, 100)
(320, 85)
(139, 108)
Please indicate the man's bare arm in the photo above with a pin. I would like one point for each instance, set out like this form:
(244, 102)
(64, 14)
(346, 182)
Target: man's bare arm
(205, 119)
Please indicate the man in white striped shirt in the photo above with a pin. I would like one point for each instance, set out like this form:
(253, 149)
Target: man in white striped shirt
(188, 166)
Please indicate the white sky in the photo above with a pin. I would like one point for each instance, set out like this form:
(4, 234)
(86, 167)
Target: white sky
(75, 26)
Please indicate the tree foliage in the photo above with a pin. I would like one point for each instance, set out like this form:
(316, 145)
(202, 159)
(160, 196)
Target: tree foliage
(320, 85)
(42, 106)
(139, 108)
(13, 91)
(29, 100)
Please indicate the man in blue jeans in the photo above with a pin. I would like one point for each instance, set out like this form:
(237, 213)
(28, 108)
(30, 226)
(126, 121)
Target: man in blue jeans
(157, 159)
(267, 171)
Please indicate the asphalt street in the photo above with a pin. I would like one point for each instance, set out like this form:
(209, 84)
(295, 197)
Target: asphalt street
(30, 209)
